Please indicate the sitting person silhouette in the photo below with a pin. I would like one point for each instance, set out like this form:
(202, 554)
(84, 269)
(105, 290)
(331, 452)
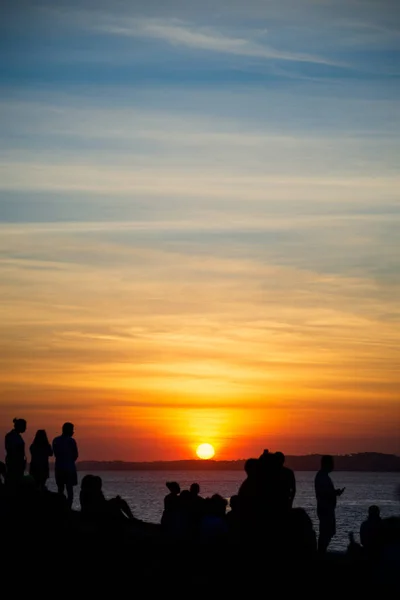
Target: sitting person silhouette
(301, 540)
(196, 507)
(95, 507)
(371, 531)
(214, 526)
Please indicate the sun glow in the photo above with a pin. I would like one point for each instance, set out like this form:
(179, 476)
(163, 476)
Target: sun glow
(205, 451)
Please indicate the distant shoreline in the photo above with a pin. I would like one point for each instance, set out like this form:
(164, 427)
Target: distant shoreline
(362, 462)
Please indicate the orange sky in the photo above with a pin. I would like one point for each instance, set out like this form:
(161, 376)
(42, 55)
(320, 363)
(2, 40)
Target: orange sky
(150, 362)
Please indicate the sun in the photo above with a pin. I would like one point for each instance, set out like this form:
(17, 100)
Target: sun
(205, 451)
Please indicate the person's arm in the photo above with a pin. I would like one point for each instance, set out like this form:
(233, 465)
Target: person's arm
(339, 491)
(124, 506)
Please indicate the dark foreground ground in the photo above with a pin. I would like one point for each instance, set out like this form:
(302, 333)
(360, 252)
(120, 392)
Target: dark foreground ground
(105, 566)
(49, 551)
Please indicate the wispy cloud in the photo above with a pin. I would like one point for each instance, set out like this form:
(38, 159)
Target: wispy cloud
(176, 32)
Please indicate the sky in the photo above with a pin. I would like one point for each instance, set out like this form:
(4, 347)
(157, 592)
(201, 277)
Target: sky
(199, 225)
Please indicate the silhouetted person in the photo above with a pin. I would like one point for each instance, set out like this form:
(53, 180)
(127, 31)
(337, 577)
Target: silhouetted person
(94, 504)
(170, 517)
(196, 506)
(195, 492)
(66, 454)
(300, 536)
(251, 498)
(184, 526)
(214, 526)
(171, 500)
(371, 531)
(91, 497)
(286, 482)
(271, 491)
(40, 452)
(15, 451)
(326, 503)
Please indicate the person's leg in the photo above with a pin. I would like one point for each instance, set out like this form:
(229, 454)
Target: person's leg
(323, 542)
(60, 483)
(326, 532)
(70, 494)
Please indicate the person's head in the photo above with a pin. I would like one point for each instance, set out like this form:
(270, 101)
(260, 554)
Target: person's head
(267, 462)
(41, 438)
(68, 429)
(87, 483)
(327, 463)
(251, 466)
(265, 456)
(97, 483)
(374, 512)
(195, 489)
(279, 459)
(173, 487)
(218, 505)
(234, 502)
(19, 425)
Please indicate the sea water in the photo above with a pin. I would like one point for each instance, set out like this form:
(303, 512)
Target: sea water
(145, 491)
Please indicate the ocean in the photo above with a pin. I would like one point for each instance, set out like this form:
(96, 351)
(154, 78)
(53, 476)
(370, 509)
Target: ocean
(145, 491)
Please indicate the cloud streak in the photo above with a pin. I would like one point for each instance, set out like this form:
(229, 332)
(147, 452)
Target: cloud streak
(179, 33)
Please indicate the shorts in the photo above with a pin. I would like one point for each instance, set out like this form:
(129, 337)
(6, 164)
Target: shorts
(64, 477)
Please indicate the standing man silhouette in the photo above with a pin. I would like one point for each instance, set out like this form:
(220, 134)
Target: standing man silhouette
(66, 454)
(15, 451)
(326, 503)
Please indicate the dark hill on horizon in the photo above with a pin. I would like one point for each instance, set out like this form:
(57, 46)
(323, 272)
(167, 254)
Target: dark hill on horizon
(364, 461)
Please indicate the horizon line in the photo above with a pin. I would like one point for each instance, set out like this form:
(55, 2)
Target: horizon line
(211, 460)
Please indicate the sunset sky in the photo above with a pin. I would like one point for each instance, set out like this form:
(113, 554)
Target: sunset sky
(200, 217)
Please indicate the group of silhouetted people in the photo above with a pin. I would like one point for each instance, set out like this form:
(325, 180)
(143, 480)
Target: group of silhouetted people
(261, 512)
(65, 452)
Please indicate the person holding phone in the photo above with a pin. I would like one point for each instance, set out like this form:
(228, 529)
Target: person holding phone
(326, 503)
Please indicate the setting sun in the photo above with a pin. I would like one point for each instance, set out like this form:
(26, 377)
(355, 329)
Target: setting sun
(205, 451)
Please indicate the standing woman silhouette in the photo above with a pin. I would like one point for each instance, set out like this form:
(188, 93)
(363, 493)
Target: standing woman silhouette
(15, 451)
(40, 451)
